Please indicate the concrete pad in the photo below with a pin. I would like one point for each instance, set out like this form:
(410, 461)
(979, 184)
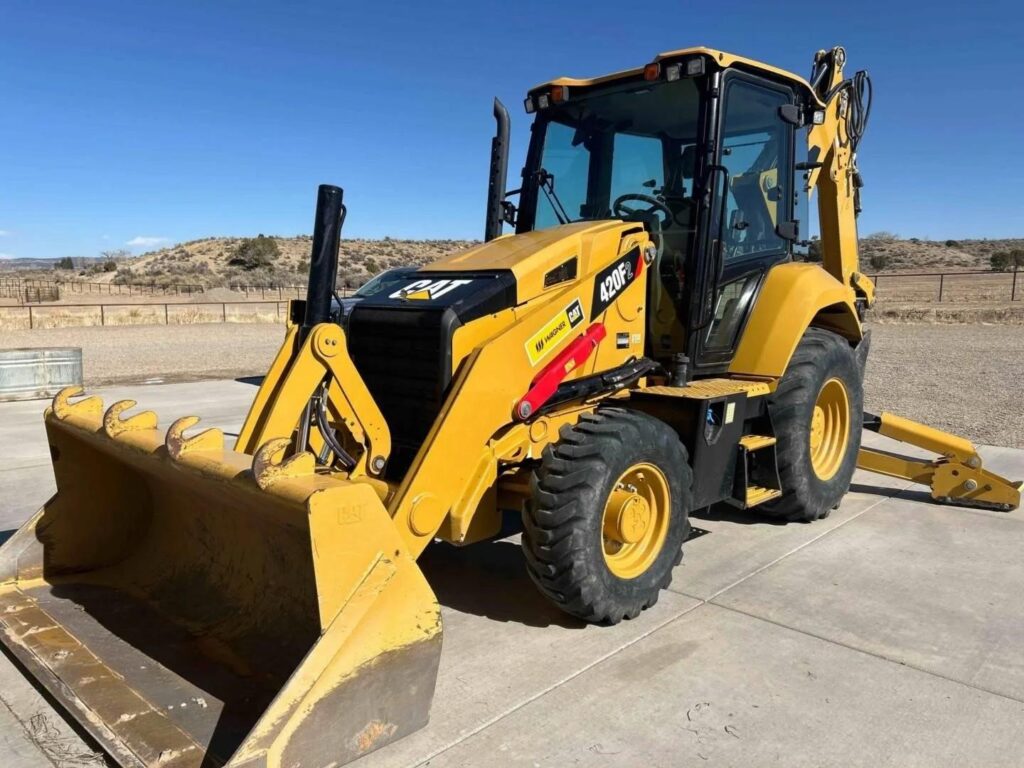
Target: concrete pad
(32, 734)
(23, 491)
(220, 403)
(17, 750)
(719, 688)
(504, 645)
(26, 480)
(741, 543)
(930, 586)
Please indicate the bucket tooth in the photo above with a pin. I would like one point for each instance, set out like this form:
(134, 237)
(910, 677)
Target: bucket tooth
(62, 406)
(114, 425)
(268, 466)
(178, 445)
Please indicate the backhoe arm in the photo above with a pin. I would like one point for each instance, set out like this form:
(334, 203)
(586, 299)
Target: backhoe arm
(956, 477)
(832, 168)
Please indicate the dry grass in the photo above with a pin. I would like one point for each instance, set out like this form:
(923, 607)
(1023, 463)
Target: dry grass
(948, 314)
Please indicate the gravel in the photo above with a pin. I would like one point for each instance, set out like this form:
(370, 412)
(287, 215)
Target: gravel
(968, 379)
(116, 354)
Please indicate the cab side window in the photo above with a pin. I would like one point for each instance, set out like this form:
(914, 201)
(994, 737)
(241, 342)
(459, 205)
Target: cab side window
(756, 147)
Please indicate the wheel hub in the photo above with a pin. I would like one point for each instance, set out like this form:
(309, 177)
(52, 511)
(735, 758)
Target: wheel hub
(829, 433)
(631, 521)
(636, 519)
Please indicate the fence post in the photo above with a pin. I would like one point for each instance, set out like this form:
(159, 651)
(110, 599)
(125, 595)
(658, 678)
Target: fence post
(1013, 288)
(30, 325)
(223, 312)
(166, 320)
(942, 279)
(103, 316)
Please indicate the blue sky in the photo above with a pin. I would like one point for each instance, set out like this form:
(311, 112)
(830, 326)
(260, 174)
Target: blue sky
(127, 124)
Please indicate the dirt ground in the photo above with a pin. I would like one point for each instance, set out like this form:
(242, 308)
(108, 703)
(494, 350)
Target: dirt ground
(965, 378)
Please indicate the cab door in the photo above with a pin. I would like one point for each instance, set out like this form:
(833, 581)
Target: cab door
(750, 215)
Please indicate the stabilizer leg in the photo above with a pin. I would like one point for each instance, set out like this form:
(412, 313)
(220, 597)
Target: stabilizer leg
(956, 477)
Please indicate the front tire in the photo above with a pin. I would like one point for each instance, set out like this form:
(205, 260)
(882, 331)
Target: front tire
(816, 413)
(609, 515)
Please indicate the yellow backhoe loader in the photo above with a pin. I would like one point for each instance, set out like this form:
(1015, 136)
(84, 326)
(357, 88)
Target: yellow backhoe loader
(646, 343)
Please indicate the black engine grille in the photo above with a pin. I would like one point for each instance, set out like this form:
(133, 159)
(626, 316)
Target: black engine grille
(404, 358)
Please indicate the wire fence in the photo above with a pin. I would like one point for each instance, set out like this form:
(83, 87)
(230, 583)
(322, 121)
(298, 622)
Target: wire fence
(153, 313)
(36, 307)
(116, 289)
(949, 287)
(34, 290)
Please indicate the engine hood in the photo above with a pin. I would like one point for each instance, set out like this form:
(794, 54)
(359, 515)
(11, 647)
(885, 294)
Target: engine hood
(541, 260)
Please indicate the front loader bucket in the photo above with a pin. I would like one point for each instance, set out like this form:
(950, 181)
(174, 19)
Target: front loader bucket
(193, 606)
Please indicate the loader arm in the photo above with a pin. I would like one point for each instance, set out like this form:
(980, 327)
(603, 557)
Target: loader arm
(956, 477)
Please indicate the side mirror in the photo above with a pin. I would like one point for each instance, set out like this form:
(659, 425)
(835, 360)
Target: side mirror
(508, 212)
(788, 230)
(791, 113)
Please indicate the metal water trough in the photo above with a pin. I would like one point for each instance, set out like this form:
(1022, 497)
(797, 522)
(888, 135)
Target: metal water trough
(36, 373)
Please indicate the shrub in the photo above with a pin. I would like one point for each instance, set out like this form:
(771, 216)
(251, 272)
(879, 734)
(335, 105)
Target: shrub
(1017, 258)
(110, 266)
(879, 260)
(64, 263)
(255, 253)
(882, 236)
(952, 244)
(1000, 261)
(814, 250)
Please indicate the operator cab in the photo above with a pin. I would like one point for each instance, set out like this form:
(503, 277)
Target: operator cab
(698, 147)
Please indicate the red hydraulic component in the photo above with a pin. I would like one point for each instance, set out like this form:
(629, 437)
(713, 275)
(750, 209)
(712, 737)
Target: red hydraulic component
(546, 382)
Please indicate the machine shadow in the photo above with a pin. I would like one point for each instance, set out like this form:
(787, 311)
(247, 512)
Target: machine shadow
(876, 490)
(727, 513)
(5, 535)
(489, 579)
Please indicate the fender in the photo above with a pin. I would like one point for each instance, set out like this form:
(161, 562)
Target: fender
(795, 296)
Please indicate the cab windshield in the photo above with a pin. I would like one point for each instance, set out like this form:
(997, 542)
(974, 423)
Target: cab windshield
(626, 152)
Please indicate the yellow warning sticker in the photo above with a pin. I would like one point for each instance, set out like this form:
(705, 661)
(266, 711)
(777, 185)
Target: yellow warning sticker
(554, 332)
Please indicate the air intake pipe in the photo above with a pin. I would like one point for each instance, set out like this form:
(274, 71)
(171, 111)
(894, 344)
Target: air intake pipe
(497, 176)
(323, 261)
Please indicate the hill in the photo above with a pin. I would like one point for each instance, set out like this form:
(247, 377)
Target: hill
(215, 261)
(218, 260)
(885, 252)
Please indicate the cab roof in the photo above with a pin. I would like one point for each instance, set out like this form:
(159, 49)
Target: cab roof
(722, 59)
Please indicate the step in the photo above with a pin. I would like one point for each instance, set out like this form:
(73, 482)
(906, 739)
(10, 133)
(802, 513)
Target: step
(756, 442)
(758, 495)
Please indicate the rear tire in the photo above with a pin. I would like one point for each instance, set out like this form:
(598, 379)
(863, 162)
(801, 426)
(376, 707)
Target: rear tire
(816, 412)
(609, 515)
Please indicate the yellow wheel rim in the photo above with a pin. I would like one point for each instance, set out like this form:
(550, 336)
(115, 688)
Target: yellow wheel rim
(830, 429)
(636, 519)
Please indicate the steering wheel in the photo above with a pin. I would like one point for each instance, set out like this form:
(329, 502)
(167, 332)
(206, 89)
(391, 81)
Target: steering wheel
(654, 205)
